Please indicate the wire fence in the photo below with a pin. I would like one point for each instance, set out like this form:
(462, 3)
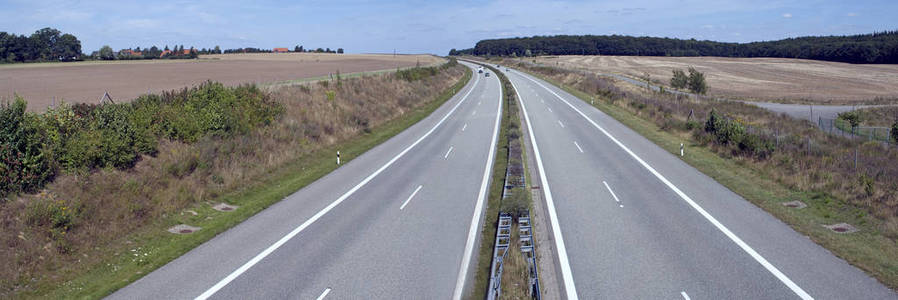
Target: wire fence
(836, 126)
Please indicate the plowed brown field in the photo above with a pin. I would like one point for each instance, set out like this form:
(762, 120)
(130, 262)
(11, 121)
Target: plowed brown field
(125, 80)
(757, 78)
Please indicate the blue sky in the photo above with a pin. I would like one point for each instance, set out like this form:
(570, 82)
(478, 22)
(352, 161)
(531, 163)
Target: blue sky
(432, 26)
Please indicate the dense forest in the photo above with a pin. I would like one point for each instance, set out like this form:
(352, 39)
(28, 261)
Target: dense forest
(47, 44)
(880, 47)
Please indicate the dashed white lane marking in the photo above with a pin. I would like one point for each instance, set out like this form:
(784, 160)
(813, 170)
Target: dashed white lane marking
(447, 152)
(463, 127)
(474, 113)
(550, 110)
(474, 228)
(559, 123)
(324, 294)
(566, 275)
(578, 146)
(410, 197)
(612, 193)
(685, 296)
(726, 231)
(256, 259)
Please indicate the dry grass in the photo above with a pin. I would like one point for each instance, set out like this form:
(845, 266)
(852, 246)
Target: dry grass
(87, 81)
(780, 79)
(114, 203)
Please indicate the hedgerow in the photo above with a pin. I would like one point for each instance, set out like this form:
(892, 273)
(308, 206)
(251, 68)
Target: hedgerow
(73, 138)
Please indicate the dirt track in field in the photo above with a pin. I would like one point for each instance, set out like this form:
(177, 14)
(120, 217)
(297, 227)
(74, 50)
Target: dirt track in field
(758, 78)
(125, 80)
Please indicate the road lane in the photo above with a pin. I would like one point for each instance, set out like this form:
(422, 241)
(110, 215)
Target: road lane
(659, 244)
(363, 245)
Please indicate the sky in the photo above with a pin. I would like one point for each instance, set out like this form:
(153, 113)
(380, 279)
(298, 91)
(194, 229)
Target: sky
(432, 26)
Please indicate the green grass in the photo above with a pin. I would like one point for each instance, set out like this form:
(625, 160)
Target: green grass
(344, 76)
(120, 266)
(867, 249)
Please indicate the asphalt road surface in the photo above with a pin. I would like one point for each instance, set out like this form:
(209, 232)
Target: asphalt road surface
(400, 221)
(632, 221)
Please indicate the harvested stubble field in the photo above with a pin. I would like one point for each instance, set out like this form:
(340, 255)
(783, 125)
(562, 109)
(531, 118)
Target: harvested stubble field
(771, 79)
(85, 82)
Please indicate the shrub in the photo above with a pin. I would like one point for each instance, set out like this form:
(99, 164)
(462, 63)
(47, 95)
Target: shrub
(679, 79)
(895, 131)
(852, 117)
(696, 82)
(515, 202)
(23, 163)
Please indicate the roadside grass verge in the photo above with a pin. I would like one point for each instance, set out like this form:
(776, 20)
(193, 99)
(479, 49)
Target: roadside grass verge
(252, 171)
(870, 249)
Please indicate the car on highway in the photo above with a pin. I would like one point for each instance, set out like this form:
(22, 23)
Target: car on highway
(487, 74)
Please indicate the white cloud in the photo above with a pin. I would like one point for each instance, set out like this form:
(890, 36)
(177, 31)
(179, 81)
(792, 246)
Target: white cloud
(787, 15)
(143, 23)
(851, 14)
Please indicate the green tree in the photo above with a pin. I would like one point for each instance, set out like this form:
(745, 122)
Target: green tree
(216, 50)
(697, 82)
(106, 53)
(340, 50)
(853, 117)
(679, 79)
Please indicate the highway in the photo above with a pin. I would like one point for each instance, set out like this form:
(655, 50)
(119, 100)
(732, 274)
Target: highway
(632, 221)
(400, 221)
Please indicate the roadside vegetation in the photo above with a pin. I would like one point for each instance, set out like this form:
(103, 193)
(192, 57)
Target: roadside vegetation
(94, 184)
(769, 159)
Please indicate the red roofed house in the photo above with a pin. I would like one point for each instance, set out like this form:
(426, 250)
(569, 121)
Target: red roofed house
(280, 50)
(164, 53)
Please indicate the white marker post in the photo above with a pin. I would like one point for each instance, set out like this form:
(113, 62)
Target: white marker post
(682, 147)
(338, 157)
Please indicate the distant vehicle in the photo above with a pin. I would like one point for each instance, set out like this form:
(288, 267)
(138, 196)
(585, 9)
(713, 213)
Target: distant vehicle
(487, 74)
(480, 71)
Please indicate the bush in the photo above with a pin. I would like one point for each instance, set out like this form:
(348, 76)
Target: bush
(895, 131)
(515, 202)
(696, 82)
(724, 130)
(679, 79)
(852, 117)
(23, 163)
(86, 136)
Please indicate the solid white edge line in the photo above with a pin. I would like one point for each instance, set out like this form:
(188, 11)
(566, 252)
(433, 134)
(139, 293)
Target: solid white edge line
(478, 209)
(566, 275)
(685, 296)
(745, 247)
(578, 146)
(610, 191)
(447, 152)
(324, 294)
(221, 284)
(410, 197)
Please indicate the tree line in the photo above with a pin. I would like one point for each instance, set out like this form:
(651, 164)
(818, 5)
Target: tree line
(879, 47)
(46, 44)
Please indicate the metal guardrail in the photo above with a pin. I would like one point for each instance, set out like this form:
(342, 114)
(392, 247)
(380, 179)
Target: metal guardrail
(528, 250)
(500, 251)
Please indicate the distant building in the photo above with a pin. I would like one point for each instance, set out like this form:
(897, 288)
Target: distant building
(129, 52)
(164, 53)
(280, 50)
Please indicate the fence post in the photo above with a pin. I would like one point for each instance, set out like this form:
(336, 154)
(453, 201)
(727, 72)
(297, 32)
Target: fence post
(855, 157)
